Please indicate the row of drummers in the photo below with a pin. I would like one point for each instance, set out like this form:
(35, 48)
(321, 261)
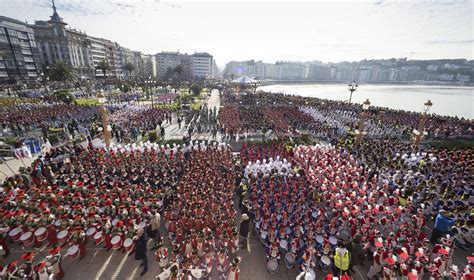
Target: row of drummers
(197, 253)
(294, 251)
(197, 257)
(114, 234)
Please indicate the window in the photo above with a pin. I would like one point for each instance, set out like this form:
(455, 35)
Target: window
(3, 39)
(14, 41)
(13, 33)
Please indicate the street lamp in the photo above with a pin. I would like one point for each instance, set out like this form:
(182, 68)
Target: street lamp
(105, 120)
(421, 127)
(352, 87)
(360, 132)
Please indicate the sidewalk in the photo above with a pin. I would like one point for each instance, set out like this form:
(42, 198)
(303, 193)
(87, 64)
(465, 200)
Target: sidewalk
(14, 164)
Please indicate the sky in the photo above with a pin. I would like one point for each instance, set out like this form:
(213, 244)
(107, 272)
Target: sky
(328, 31)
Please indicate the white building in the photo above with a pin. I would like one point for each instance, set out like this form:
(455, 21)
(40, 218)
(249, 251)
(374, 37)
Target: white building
(202, 66)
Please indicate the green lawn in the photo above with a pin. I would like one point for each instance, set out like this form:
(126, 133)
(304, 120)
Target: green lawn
(87, 101)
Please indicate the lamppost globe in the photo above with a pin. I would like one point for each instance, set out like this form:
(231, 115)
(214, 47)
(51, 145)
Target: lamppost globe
(366, 105)
(427, 106)
(352, 87)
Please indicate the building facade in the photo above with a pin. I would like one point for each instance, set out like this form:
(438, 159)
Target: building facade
(202, 66)
(169, 60)
(251, 68)
(19, 59)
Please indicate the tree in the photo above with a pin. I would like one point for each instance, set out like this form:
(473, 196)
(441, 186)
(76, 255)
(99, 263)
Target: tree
(60, 71)
(129, 68)
(124, 86)
(64, 96)
(104, 67)
(196, 89)
(178, 70)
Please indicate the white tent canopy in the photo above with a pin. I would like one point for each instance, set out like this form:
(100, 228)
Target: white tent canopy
(244, 80)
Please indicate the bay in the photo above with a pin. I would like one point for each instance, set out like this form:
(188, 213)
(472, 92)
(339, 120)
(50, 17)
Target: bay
(447, 100)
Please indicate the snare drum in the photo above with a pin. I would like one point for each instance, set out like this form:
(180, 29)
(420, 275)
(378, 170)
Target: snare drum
(128, 244)
(333, 241)
(73, 251)
(41, 234)
(325, 263)
(98, 237)
(27, 238)
(15, 234)
(283, 246)
(116, 242)
(62, 236)
(319, 239)
(196, 273)
(272, 266)
(90, 232)
(290, 260)
(57, 223)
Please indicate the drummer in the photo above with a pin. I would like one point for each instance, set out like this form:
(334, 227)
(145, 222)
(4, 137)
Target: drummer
(41, 271)
(55, 261)
(130, 233)
(78, 237)
(106, 232)
(28, 265)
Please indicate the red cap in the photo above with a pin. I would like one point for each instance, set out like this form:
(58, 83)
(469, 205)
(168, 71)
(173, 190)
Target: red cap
(27, 256)
(12, 265)
(40, 266)
(412, 276)
(54, 250)
(443, 251)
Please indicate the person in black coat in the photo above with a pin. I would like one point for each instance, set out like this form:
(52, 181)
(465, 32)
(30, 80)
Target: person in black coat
(244, 229)
(140, 250)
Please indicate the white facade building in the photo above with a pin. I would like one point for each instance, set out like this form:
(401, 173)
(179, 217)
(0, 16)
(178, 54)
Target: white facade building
(202, 66)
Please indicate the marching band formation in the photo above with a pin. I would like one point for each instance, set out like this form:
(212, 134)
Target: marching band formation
(309, 206)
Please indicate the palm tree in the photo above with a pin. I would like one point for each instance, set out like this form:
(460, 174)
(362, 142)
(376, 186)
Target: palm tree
(104, 67)
(60, 71)
(129, 68)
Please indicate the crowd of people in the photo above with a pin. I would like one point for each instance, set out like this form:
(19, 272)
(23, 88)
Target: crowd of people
(201, 220)
(20, 118)
(332, 123)
(134, 120)
(264, 111)
(401, 209)
(325, 202)
(112, 197)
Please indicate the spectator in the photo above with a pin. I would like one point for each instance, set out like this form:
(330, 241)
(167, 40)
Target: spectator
(244, 229)
(140, 252)
(442, 226)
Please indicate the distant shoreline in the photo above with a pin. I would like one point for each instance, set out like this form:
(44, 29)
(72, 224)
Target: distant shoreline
(276, 82)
